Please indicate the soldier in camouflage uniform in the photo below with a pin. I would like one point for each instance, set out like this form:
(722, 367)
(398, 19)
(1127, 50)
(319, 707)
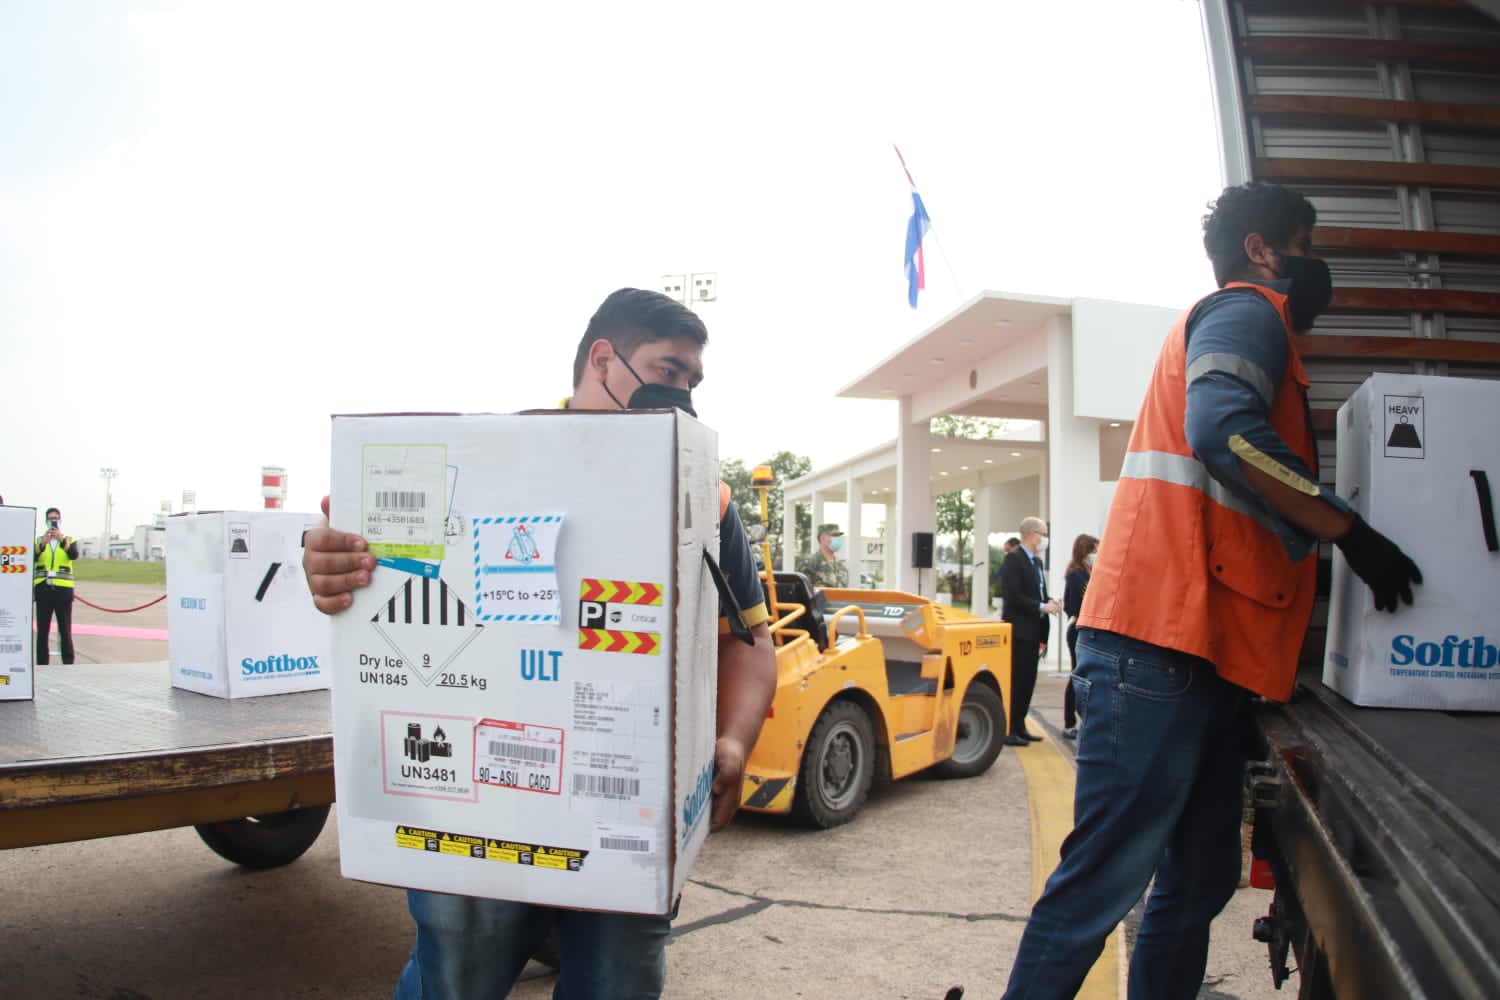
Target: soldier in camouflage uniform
(824, 567)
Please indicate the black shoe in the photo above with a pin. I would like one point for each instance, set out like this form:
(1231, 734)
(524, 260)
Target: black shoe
(1017, 741)
(1033, 737)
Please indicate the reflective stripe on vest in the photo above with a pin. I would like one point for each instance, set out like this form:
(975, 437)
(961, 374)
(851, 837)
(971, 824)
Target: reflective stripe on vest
(1185, 470)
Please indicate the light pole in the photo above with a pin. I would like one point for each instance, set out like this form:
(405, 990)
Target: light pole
(109, 475)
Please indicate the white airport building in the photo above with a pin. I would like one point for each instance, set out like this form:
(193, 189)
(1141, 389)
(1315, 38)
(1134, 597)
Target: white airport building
(1071, 372)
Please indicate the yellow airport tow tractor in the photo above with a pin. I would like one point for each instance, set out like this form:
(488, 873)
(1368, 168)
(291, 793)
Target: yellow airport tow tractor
(870, 684)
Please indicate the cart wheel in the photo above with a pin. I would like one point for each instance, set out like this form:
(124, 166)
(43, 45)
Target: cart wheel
(981, 734)
(837, 766)
(265, 841)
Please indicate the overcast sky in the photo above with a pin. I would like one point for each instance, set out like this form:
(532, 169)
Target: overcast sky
(220, 223)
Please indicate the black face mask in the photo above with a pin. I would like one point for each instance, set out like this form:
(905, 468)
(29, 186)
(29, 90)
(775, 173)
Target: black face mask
(653, 395)
(1311, 291)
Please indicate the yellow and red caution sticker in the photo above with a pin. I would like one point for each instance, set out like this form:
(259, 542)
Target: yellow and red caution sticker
(563, 859)
(621, 616)
(13, 558)
(609, 641)
(620, 592)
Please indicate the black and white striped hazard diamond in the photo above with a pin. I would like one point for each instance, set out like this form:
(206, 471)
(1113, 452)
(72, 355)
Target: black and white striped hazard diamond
(427, 624)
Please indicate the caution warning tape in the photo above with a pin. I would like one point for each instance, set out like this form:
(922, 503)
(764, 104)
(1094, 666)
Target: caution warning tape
(563, 859)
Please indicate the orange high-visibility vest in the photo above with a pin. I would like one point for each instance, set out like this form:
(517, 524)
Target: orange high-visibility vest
(1185, 564)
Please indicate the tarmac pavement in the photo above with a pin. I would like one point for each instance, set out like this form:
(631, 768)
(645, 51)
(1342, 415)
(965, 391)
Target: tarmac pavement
(929, 887)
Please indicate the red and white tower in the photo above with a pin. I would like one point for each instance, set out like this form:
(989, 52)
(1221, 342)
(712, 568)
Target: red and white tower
(273, 486)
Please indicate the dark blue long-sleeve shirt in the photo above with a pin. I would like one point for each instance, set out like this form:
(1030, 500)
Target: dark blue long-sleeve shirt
(1237, 354)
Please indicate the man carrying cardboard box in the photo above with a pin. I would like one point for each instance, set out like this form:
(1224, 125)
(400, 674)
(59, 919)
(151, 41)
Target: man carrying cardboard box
(641, 350)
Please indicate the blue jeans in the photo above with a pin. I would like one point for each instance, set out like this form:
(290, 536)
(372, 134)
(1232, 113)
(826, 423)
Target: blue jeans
(473, 949)
(1160, 769)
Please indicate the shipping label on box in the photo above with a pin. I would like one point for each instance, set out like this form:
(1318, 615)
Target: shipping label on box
(524, 695)
(240, 620)
(17, 634)
(1417, 457)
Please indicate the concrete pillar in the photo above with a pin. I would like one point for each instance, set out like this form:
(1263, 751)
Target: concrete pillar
(984, 498)
(1073, 504)
(817, 519)
(914, 510)
(788, 535)
(888, 579)
(854, 546)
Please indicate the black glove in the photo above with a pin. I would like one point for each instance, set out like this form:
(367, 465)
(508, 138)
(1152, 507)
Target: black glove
(1380, 563)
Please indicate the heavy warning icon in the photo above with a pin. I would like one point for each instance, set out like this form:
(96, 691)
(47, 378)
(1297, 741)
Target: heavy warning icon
(1404, 432)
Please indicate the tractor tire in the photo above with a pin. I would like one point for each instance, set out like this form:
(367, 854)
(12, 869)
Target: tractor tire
(269, 841)
(980, 736)
(838, 766)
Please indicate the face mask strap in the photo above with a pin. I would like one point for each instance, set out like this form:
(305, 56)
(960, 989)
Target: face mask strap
(609, 392)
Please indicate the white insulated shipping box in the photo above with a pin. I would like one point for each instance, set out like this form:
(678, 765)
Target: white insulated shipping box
(240, 619)
(523, 705)
(17, 636)
(1419, 458)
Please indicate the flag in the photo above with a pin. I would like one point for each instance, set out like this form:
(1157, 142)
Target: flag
(916, 228)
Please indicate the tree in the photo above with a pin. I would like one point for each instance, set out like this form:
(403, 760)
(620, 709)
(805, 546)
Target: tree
(784, 465)
(955, 516)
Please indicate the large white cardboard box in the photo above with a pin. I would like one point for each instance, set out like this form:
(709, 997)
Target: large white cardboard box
(240, 619)
(17, 636)
(524, 695)
(1419, 457)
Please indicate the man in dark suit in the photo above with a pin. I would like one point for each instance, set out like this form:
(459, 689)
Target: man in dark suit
(1027, 606)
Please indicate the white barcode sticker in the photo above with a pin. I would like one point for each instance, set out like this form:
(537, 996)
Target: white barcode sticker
(633, 839)
(518, 755)
(605, 786)
(405, 499)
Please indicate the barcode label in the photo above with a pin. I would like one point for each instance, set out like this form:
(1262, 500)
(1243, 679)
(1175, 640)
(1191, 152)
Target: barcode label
(400, 499)
(624, 844)
(10, 647)
(605, 786)
(523, 751)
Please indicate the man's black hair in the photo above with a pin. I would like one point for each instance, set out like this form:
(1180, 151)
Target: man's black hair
(631, 317)
(1273, 211)
(52, 510)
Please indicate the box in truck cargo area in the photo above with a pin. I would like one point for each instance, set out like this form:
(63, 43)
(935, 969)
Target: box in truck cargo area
(1418, 456)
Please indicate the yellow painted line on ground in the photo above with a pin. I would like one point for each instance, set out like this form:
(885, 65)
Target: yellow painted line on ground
(1049, 794)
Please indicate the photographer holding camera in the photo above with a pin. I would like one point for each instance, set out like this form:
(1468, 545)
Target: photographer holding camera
(52, 586)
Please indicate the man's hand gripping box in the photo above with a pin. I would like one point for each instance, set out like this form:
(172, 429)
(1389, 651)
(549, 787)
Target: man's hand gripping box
(240, 620)
(1418, 457)
(524, 695)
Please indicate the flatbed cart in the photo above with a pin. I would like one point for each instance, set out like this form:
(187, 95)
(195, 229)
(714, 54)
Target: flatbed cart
(109, 749)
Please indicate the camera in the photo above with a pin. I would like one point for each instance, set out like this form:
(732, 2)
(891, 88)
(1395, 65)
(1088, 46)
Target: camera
(52, 524)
